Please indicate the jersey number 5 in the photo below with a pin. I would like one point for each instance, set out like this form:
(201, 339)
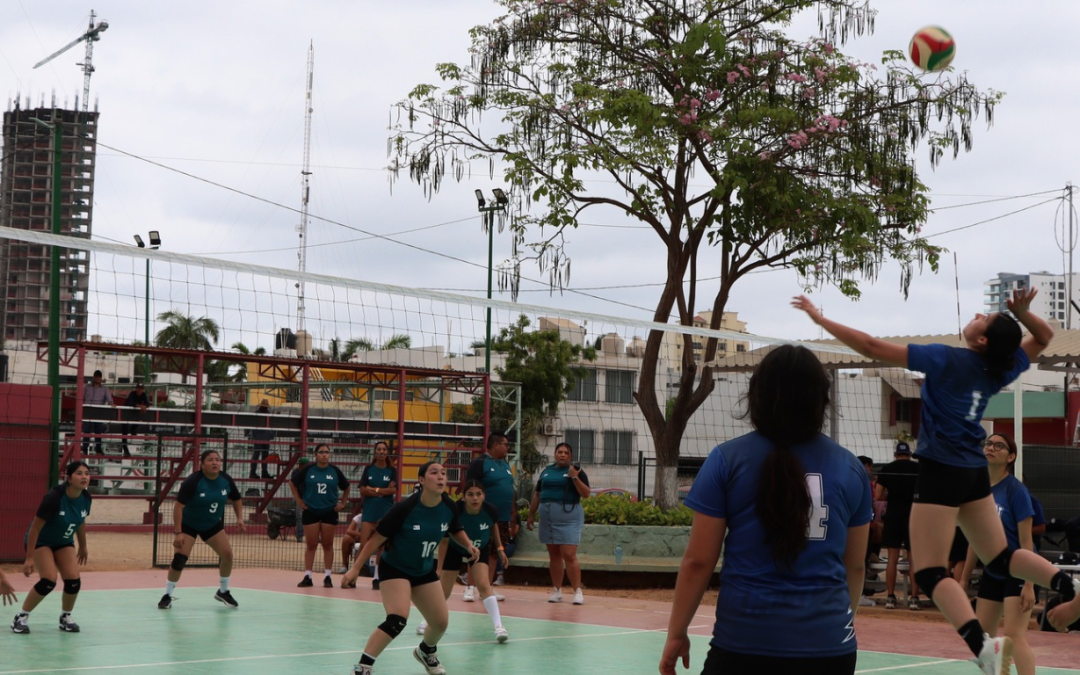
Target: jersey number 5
(70, 531)
(819, 511)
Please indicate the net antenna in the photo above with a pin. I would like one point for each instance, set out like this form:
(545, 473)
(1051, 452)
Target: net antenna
(92, 35)
(306, 190)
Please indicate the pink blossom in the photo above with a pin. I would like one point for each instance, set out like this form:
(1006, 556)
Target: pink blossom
(731, 77)
(743, 69)
(765, 155)
(695, 103)
(712, 95)
(795, 77)
(688, 118)
(797, 139)
(828, 48)
(821, 73)
(704, 136)
(808, 92)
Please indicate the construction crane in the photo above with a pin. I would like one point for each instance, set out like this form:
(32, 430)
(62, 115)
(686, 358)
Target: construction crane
(92, 35)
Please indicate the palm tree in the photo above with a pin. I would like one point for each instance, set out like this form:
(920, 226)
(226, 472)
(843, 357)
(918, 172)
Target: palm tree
(186, 332)
(398, 341)
(242, 372)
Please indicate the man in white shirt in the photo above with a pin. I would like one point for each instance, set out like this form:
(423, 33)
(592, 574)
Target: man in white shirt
(95, 393)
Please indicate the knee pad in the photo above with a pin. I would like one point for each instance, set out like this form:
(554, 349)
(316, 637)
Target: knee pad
(178, 562)
(999, 566)
(393, 625)
(44, 587)
(929, 578)
(72, 586)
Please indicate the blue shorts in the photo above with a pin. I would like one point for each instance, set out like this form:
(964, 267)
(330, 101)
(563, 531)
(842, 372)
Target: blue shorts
(561, 524)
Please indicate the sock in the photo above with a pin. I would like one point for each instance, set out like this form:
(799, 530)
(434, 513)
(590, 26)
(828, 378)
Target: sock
(376, 576)
(491, 604)
(25, 612)
(427, 650)
(224, 584)
(373, 561)
(366, 660)
(973, 635)
(1063, 584)
(326, 573)
(170, 586)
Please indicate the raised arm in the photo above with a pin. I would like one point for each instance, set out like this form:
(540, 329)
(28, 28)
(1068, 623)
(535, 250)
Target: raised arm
(1039, 332)
(863, 343)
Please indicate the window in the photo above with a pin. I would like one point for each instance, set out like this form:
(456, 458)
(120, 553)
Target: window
(618, 447)
(456, 464)
(619, 386)
(389, 395)
(585, 387)
(740, 348)
(583, 441)
(905, 410)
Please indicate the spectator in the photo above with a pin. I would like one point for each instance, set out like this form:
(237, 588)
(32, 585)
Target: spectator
(136, 399)
(261, 448)
(558, 496)
(896, 485)
(94, 393)
(877, 527)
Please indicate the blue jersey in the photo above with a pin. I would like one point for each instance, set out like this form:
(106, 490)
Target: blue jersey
(1013, 505)
(808, 604)
(319, 487)
(954, 397)
(498, 481)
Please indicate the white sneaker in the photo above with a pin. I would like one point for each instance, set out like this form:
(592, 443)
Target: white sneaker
(422, 628)
(866, 602)
(500, 598)
(996, 655)
(469, 594)
(463, 579)
(360, 669)
(501, 635)
(579, 598)
(556, 595)
(430, 662)
(498, 580)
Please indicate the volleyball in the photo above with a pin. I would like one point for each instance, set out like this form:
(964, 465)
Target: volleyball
(932, 48)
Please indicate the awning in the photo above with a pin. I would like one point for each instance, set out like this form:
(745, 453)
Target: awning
(902, 383)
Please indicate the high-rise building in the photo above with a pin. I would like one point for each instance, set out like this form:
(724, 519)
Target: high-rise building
(26, 203)
(1052, 301)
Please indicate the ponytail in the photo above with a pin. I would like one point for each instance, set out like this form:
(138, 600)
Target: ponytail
(783, 505)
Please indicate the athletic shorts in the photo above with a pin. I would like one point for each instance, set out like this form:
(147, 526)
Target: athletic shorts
(895, 533)
(205, 535)
(55, 547)
(997, 589)
(312, 516)
(388, 571)
(947, 485)
(455, 558)
(959, 550)
(722, 662)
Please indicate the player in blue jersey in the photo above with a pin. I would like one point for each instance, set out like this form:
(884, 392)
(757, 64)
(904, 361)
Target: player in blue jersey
(795, 508)
(378, 485)
(321, 490)
(200, 514)
(997, 595)
(50, 546)
(953, 486)
(479, 520)
(410, 535)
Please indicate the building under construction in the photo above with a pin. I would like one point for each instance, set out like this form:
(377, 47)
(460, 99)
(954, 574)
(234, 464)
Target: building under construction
(26, 203)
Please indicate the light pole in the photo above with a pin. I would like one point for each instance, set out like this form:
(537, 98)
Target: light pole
(501, 201)
(155, 243)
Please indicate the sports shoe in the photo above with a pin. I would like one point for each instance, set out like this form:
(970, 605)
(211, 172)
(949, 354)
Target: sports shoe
(361, 669)
(430, 661)
(18, 624)
(556, 595)
(995, 658)
(579, 597)
(374, 584)
(306, 582)
(422, 628)
(890, 602)
(866, 602)
(500, 598)
(327, 582)
(463, 579)
(165, 602)
(499, 581)
(468, 595)
(343, 570)
(501, 635)
(913, 604)
(67, 625)
(226, 598)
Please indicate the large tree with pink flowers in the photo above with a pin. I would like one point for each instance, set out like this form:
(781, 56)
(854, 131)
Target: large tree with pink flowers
(734, 141)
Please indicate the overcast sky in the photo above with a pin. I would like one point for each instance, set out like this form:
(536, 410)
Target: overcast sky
(216, 89)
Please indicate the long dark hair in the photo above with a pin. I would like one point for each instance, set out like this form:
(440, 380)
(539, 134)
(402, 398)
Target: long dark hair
(1003, 337)
(786, 402)
(72, 467)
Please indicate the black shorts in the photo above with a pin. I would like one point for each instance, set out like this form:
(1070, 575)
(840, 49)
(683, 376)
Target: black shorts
(895, 534)
(312, 516)
(720, 661)
(455, 558)
(959, 550)
(388, 571)
(205, 534)
(996, 589)
(947, 485)
(55, 547)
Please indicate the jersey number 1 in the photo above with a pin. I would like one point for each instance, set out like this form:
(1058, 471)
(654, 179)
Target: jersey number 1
(973, 414)
(819, 511)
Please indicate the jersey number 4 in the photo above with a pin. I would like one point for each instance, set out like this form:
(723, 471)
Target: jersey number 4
(819, 511)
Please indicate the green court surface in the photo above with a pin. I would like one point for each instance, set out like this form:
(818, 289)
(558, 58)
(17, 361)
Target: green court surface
(273, 632)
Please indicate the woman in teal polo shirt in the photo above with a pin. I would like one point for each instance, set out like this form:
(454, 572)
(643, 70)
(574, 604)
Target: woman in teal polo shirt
(378, 485)
(557, 497)
(50, 546)
(410, 534)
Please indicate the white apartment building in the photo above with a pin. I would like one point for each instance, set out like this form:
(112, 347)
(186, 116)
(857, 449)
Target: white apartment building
(1052, 302)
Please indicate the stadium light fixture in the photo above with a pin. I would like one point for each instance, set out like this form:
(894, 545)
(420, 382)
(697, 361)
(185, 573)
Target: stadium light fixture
(155, 243)
(500, 204)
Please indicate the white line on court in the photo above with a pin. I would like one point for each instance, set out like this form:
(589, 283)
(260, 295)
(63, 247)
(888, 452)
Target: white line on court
(907, 665)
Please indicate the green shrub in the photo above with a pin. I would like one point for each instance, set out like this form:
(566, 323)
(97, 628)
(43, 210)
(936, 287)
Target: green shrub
(619, 510)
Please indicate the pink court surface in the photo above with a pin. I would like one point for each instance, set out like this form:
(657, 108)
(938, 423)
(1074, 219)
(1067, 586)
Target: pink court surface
(279, 628)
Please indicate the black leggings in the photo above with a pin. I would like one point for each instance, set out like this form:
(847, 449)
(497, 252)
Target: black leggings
(723, 662)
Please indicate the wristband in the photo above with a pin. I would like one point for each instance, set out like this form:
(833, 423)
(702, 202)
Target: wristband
(501, 548)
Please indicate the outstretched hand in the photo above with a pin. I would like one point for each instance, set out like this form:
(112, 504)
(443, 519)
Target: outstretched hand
(1020, 302)
(802, 302)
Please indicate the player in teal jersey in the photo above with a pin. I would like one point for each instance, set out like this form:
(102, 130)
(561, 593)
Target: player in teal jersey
(321, 490)
(378, 485)
(411, 533)
(200, 513)
(479, 520)
(50, 546)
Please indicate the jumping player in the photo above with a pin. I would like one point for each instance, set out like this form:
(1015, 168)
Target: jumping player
(200, 513)
(378, 485)
(953, 485)
(50, 546)
(411, 533)
(321, 490)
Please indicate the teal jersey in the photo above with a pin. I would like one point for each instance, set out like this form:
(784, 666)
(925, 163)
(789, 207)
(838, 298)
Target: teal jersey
(204, 499)
(375, 508)
(498, 481)
(478, 527)
(413, 532)
(555, 485)
(319, 488)
(62, 515)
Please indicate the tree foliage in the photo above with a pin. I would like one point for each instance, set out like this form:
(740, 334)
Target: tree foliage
(547, 366)
(736, 143)
(352, 347)
(187, 332)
